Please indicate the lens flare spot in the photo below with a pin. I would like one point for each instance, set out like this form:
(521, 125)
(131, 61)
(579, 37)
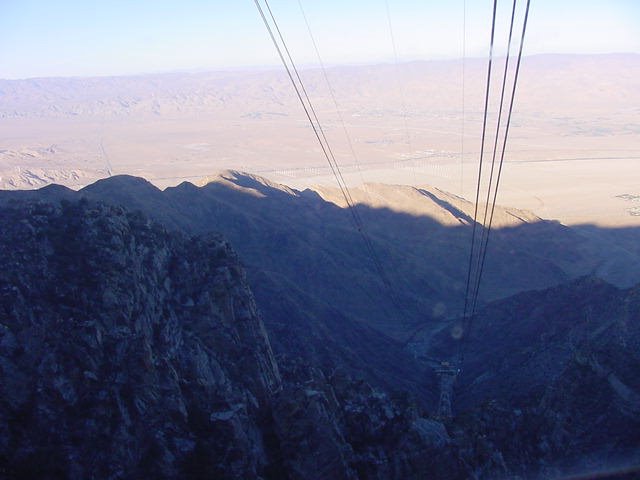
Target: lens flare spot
(456, 332)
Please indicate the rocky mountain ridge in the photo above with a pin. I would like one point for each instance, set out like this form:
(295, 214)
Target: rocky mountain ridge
(128, 351)
(195, 388)
(423, 245)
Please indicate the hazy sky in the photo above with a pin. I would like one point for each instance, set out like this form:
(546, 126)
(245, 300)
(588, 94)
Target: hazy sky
(110, 37)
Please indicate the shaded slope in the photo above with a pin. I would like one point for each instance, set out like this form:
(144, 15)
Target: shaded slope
(287, 237)
(551, 374)
(550, 379)
(303, 327)
(322, 331)
(522, 344)
(126, 350)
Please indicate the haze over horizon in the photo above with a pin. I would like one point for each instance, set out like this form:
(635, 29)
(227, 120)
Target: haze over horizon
(72, 38)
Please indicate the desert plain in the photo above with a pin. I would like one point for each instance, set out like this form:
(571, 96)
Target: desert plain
(572, 154)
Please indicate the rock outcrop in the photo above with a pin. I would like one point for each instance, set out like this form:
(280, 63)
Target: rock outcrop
(126, 351)
(336, 427)
(131, 351)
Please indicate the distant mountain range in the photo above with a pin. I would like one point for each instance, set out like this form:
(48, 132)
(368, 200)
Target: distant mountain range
(184, 126)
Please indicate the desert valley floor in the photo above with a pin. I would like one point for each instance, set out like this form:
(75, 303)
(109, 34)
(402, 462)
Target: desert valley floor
(572, 154)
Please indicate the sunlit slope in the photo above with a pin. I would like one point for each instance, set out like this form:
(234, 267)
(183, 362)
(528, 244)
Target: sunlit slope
(420, 236)
(572, 152)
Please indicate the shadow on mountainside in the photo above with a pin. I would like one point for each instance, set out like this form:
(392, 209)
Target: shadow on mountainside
(318, 289)
(552, 375)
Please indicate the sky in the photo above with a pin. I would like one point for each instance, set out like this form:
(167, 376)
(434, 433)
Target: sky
(43, 38)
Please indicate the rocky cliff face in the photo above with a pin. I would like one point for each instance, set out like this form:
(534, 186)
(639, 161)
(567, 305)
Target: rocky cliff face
(334, 427)
(305, 265)
(126, 350)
